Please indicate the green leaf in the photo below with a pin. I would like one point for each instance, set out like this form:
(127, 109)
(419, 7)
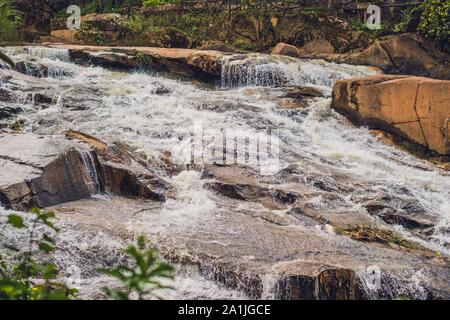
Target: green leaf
(50, 271)
(115, 294)
(141, 242)
(44, 246)
(16, 221)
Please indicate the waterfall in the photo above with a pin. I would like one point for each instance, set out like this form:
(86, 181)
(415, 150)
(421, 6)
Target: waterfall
(251, 72)
(92, 176)
(273, 71)
(335, 167)
(40, 52)
(57, 72)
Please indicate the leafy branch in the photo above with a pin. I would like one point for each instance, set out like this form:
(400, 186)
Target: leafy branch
(141, 276)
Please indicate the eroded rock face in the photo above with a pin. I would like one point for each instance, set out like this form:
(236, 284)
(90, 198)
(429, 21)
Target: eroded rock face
(65, 36)
(47, 170)
(219, 46)
(396, 54)
(40, 171)
(264, 257)
(417, 109)
(300, 280)
(198, 64)
(406, 54)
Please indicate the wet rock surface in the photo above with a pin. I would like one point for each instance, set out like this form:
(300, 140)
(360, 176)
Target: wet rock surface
(338, 206)
(265, 259)
(46, 170)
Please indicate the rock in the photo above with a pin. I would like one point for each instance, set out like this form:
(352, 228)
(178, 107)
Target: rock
(65, 36)
(7, 112)
(318, 45)
(300, 280)
(47, 170)
(292, 103)
(286, 50)
(102, 21)
(33, 69)
(116, 60)
(266, 259)
(408, 54)
(302, 92)
(40, 171)
(298, 97)
(4, 65)
(417, 109)
(412, 54)
(201, 65)
(35, 91)
(98, 145)
(39, 70)
(219, 46)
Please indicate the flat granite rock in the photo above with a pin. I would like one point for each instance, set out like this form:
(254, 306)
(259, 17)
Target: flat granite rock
(40, 171)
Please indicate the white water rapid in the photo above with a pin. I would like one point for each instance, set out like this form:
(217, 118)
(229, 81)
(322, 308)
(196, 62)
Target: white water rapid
(157, 114)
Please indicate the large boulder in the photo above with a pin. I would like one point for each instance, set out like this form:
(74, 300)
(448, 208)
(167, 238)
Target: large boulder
(65, 36)
(40, 171)
(402, 54)
(407, 54)
(285, 49)
(191, 63)
(417, 109)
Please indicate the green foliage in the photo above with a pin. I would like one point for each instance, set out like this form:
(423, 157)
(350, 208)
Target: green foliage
(430, 18)
(159, 2)
(137, 23)
(23, 277)
(10, 19)
(358, 24)
(374, 234)
(410, 20)
(141, 275)
(435, 20)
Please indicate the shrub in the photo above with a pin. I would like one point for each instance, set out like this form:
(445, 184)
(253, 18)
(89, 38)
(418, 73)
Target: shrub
(430, 18)
(141, 276)
(435, 20)
(23, 277)
(10, 19)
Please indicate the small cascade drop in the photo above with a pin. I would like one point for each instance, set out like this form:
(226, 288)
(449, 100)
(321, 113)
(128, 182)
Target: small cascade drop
(57, 72)
(92, 176)
(256, 71)
(40, 52)
(263, 70)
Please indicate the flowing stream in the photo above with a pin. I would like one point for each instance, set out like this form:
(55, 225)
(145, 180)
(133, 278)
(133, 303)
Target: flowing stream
(157, 114)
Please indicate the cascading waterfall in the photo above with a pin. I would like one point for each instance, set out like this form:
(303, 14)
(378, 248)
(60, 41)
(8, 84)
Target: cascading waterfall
(272, 71)
(92, 176)
(40, 52)
(128, 107)
(236, 73)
